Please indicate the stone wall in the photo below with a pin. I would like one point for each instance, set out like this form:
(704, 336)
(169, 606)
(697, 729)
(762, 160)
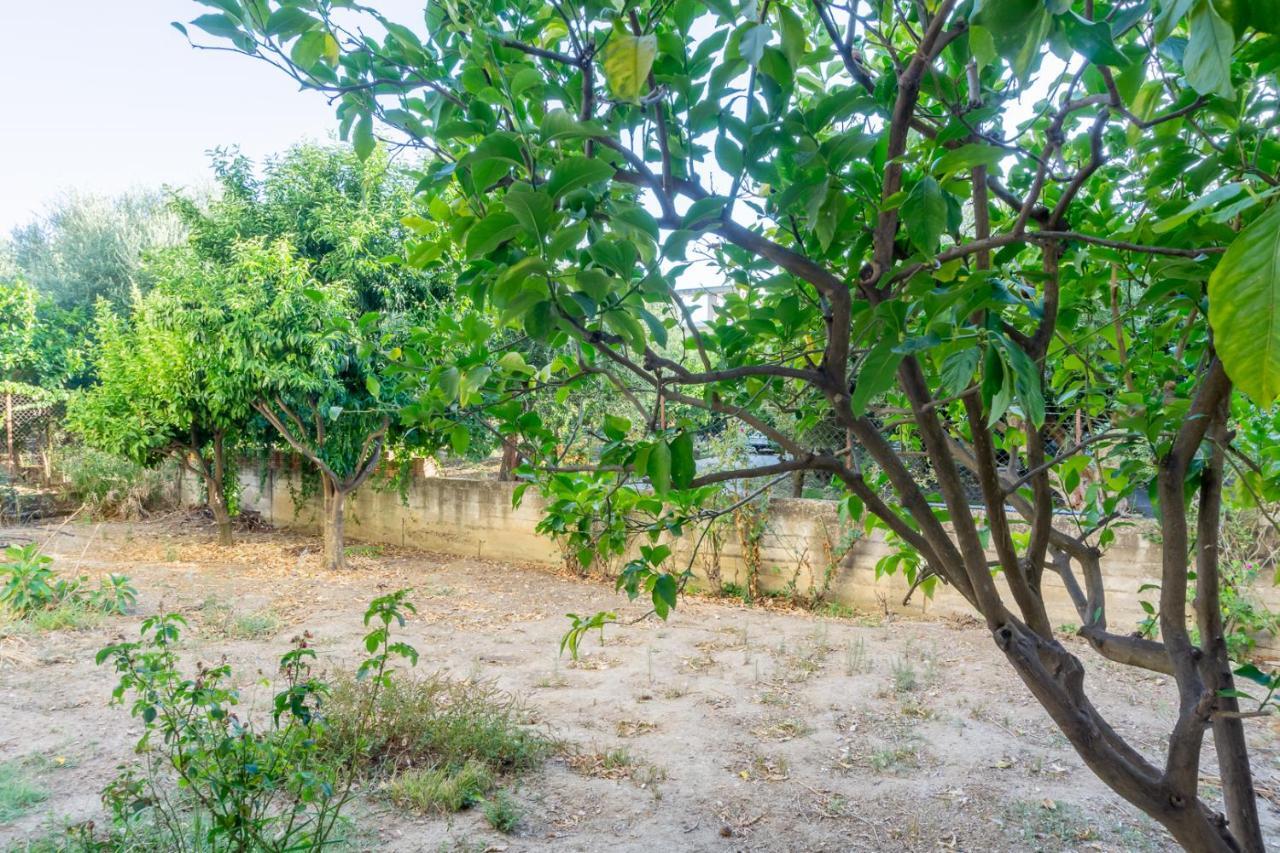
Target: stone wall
(801, 539)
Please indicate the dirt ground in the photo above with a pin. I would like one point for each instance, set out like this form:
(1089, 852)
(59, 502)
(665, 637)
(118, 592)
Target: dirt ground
(748, 728)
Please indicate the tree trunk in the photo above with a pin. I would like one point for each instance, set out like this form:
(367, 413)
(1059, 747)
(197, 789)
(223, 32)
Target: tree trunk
(510, 459)
(216, 488)
(334, 501)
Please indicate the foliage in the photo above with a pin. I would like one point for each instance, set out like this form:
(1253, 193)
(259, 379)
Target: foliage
(32, 589)
(90, 247)
(441, 790)
(982, 238)
(109, 486)
(432, 721)
(251, 783)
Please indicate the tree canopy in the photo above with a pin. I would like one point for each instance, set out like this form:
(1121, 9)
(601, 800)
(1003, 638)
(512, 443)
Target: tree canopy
(1032, 243)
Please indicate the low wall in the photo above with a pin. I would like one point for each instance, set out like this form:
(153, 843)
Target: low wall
(801, 539)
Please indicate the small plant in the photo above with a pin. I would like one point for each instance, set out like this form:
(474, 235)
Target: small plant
(442, 790)
(29, 581)
(35, 594)
(905, 678)
(115, 595)
(502, 812)
(250, 784)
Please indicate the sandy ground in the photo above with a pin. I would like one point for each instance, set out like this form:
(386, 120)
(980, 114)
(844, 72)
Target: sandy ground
(749, 729)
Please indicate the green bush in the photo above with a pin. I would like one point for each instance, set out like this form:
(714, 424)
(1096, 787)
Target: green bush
(31, 591)
(110, 486)
(248, 781)
(442, 790)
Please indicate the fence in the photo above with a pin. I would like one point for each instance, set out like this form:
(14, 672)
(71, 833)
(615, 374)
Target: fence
(800, 542)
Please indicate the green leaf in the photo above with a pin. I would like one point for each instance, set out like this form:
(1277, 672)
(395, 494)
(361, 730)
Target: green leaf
(875, 374)
(966, 157)
(1017, 30)
(576, 172)
(222, 26)
(752, 41)
(1171, 13)
(1207, 58)
(289, 21)
(1092, 39)
(683, 466)
(559, 125)
(616, 427)
(533, 209)
(459, 439)
(793, 34)
(1244, 308)
(362, 136)
(490, 232)
(924, 212)
(627, 61)
(665, 590)
(373, 386)
(659, 467)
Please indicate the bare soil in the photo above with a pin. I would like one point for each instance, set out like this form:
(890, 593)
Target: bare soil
(745, 728)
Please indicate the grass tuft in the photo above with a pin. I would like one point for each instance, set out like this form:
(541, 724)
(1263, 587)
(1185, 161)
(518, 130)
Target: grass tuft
(441, 790)
(18, 794)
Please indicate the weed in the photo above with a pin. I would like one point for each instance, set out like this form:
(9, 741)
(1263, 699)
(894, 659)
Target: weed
(442, 790)
(18, 793)
(364, 550)
(502, 812)
(905, 678)
(218, 618)
(433, 721)
(1050, 820)
(856, 661)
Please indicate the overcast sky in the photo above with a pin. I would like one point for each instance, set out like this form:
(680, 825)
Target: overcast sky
(104, 95)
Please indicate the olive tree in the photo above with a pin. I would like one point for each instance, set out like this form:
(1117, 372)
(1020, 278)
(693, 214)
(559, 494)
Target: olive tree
(1031, 242)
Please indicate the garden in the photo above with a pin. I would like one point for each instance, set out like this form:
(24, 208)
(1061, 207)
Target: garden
(712, 426)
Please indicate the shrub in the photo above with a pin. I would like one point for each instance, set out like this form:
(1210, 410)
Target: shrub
(502, 812)
(33, 592)
(250, 781)
(110, 486)
(432, 721)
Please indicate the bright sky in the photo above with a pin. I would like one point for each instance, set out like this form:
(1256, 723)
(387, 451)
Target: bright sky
(104, 95)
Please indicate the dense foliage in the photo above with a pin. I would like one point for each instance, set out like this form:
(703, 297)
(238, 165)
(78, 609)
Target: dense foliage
(984, 233)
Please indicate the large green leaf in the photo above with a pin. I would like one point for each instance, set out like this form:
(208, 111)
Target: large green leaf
(683, 466)
(924, 212)
(490, 232)
(575, 172)
(627, 61)
(1244, 308)
(1207, 59)
(659, 467)
(875, 374)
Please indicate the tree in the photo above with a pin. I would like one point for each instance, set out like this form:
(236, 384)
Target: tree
(958, 229)
(313, 364)
(307, 305)
(161, 391)
(89, 247)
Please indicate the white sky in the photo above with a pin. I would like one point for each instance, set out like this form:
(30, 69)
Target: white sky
(104, 95)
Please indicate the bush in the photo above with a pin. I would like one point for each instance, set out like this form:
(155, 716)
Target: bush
(30, 590)
(432, 722)
(110, 486)
(245, 780)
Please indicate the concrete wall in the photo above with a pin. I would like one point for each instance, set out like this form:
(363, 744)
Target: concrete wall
(475, 518)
